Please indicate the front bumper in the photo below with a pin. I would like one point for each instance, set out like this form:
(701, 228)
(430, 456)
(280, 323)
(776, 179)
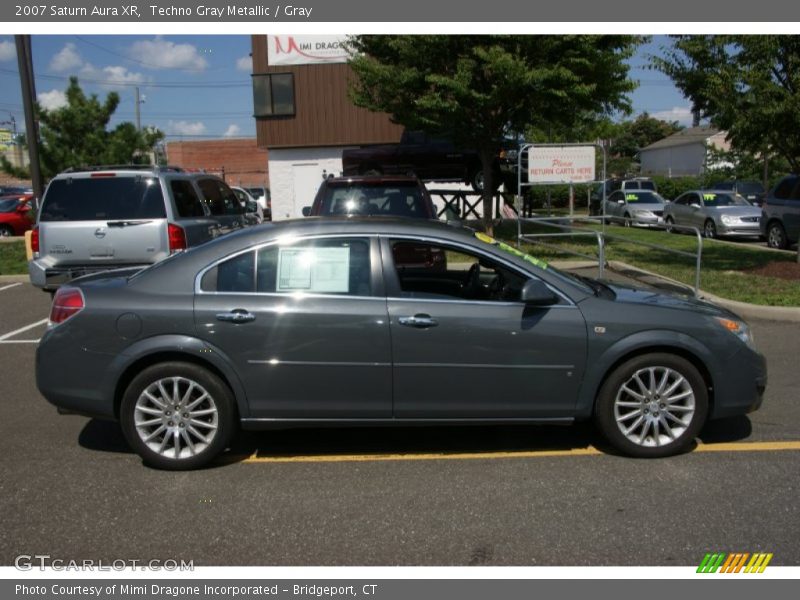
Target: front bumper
(739, 230)
(741, 389)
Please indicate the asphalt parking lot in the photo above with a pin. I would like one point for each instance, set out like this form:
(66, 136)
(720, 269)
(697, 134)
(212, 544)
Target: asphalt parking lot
(70, 488)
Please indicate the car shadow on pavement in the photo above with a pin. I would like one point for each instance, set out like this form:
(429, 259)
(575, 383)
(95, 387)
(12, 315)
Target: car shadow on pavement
(103, 436)
(731, 429)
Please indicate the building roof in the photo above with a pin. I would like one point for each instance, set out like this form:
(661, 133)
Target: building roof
(690, 135)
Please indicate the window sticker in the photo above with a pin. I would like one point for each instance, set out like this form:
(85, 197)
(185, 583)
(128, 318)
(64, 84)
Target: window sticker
(709, 197)
(313, 270)
(631, 197)
(511, 250)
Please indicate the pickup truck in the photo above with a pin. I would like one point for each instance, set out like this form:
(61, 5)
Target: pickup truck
(419, 154)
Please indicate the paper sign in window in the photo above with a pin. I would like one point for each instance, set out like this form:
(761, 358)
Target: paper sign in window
(313, 270)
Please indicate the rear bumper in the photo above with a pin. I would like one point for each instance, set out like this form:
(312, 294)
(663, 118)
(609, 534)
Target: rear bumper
(49, 278)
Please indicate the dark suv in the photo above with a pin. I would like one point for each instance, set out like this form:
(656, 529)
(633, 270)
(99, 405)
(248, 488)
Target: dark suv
(99, 218)
(399, 196)
(780, 213)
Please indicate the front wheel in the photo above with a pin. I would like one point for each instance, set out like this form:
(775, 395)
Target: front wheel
(177, 416)
(670, 225)
(652, 406)
(710, 229)
(6, 231)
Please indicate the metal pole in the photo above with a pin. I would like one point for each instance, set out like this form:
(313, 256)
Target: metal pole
(138, 115)
(25, 65)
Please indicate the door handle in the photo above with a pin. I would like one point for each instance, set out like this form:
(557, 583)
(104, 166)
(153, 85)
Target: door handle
(418, 321)
(236, 316)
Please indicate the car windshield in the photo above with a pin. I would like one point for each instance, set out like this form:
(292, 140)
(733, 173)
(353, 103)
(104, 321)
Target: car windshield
(8, 205)
(538, 262)
(103, 198)
(643, 198)
(711, 199)
(357, 198)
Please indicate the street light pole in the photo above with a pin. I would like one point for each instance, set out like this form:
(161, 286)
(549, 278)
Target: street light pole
(138, 116)
(25, 64)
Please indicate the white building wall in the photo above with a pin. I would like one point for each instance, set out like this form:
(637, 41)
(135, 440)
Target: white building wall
(675, 161)
(295, 175)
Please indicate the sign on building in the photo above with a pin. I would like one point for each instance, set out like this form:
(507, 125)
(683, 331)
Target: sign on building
(6, 140)
(561, 164)
(306, 49)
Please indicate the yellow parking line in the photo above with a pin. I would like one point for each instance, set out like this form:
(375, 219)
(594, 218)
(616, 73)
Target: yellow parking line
(589, 451)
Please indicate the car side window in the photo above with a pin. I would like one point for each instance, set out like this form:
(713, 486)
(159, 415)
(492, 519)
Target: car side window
(615, 197)
(187, 202)
(785, 188)
(693, 199)
(681, 201)
(235, 275)
(426, 270)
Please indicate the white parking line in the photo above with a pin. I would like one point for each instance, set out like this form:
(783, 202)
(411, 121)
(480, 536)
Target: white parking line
(4, 337)
(19, 341)
(6, 287)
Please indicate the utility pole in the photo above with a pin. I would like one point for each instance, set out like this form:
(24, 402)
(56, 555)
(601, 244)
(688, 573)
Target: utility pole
(138, 115)
(25, 65)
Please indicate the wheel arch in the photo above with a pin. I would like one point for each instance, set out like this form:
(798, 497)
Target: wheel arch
(197, 353)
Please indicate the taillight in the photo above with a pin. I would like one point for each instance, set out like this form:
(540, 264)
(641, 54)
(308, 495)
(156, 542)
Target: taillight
(177, 238)
(67, 303)
(35, 239)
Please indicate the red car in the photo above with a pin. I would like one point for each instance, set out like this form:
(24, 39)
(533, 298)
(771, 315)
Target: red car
(16, 215)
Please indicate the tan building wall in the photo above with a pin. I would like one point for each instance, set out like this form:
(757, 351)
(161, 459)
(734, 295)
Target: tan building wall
(240, 160)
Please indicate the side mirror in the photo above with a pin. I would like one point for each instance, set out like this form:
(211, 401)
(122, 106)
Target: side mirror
(306, 211)
(695, 206)
(536, 293)
(620, 201)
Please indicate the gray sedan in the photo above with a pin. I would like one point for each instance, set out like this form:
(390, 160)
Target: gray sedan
(635, 207)
(714, 213)
(326, 321)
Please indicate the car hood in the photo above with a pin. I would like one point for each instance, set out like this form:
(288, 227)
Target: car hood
(738, 211)
(633, 295)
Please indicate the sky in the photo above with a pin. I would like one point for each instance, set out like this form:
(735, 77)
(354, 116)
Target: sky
(198, 86)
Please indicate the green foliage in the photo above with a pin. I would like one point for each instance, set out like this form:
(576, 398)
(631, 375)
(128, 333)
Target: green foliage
(12, 258)
(77, 134)
(748, 85)
(478, 89)
(642, 131)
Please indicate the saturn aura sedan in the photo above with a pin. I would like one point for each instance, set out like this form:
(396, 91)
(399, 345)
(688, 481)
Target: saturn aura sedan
(714, 213)
(323, 321)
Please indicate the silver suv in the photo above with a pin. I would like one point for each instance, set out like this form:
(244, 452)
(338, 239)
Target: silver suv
(98, 218)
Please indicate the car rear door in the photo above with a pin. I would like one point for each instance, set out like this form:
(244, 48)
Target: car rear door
(222, 203)
(304, 323)
(480, 357)
(98, 218)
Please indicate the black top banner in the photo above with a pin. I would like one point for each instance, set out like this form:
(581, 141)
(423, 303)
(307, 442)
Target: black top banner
(464, 11)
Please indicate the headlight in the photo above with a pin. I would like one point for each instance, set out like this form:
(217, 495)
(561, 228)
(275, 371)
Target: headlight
(730, 220)
(738, 328)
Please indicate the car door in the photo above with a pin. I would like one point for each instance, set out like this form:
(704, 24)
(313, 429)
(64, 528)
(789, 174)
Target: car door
(613, 207)
(304, 323)
(680, 209)
(465, 347)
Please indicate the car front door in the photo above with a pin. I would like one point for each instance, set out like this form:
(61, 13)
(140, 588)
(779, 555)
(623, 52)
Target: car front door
(464, 346)
(304, 323)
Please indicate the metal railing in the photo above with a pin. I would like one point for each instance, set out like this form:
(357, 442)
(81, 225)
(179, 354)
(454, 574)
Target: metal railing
(602, 236)
(468, 204)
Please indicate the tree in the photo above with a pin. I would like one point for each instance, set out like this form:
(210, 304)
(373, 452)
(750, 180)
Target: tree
(77, 134)
(639, 133)
(477, 89)
(748, 85)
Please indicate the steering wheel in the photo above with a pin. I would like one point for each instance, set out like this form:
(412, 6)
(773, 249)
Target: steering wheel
(472, 281)
(497, 287)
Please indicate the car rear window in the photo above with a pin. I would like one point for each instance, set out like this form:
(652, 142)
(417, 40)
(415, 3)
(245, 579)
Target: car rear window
(357, 199)
(103, 198)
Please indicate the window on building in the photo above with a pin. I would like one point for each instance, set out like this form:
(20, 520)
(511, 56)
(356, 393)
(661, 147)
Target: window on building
(273, 95)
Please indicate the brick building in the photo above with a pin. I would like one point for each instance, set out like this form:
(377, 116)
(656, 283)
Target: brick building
(239, 160)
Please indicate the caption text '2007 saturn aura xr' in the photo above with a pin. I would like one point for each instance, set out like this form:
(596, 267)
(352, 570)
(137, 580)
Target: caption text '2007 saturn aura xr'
(345, 321)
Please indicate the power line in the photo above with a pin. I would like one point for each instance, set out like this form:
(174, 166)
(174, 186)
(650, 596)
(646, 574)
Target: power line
(152, 84)
(141, 62)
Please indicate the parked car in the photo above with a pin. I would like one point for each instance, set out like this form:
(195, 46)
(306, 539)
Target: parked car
(715, 213)
(99, 218)
(16, 214)
(253, 212)
(14, 190)
(313, 321)
(780, 214)
(372, 195)
(427, 157)
(614, 184)
(263, 197)
(752, 191)
(635, 207)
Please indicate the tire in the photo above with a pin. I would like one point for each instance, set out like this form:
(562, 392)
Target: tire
(6, 231)
(669, 223)
(776, 236)
(709, 229)
(627, 220)
(629, 423)
(476, 181)
(151, 426)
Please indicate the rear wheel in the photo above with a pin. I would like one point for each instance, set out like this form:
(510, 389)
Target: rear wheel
(776, 236)
(177, 416)
(652, 406)
(6, 231)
